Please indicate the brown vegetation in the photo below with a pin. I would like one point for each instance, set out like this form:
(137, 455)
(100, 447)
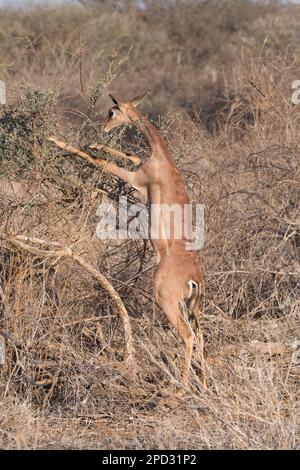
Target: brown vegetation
(220, 75)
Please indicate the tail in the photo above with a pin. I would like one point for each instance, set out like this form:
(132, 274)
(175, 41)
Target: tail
(189, 305)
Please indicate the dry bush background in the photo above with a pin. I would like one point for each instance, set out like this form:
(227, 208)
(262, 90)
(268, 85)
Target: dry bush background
(220, 75)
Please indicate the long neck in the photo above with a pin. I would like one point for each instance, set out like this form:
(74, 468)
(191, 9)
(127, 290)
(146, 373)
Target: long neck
(151, 133)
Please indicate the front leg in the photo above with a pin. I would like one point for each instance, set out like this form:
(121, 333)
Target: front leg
(117, 153)
(129, 177)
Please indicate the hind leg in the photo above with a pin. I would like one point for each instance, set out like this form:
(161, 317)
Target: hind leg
(200, 341)
(181, 324)
(192, 319)
(188, 337)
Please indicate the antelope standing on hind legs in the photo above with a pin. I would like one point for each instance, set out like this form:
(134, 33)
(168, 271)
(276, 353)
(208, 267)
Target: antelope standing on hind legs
(178, 280)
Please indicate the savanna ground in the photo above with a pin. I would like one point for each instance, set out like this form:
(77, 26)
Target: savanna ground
(220, 75)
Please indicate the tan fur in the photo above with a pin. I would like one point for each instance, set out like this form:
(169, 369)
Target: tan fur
(160, 182)
(177, 267)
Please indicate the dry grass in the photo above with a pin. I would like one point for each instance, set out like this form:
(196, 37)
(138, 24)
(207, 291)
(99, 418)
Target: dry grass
(63, 384)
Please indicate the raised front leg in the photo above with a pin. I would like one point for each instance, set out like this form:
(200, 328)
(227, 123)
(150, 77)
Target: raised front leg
(117, 153)
(129, 177)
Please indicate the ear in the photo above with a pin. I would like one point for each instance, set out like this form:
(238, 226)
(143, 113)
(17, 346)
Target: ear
(115, 100)
(137, 100)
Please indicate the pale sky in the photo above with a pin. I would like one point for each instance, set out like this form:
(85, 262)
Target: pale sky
(40, 2)
(35, 2)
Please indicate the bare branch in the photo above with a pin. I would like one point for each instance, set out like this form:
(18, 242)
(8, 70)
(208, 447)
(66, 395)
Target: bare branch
(96, 274)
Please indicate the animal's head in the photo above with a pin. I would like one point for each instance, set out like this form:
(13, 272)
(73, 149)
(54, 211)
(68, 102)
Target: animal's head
(121, 113)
